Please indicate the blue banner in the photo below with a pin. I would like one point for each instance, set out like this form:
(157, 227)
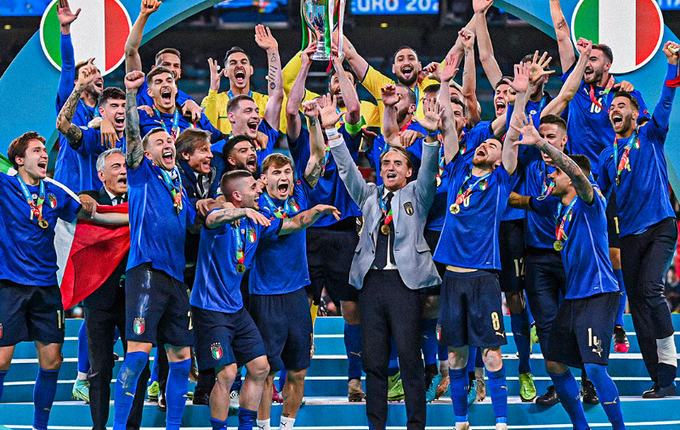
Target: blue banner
(394, 7)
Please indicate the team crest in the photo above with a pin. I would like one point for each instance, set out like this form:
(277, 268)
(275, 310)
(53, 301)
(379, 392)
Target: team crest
(2, 331)
(252, 236)
(139, 326)
(52, 200)
(408, 208)
(216, 350)
(294, 205)
(438, 330)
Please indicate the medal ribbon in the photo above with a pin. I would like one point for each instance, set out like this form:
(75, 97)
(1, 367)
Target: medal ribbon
(92, 113)
(441, 162)
(383, 207)
(633, 142)
(462, 195)
(547, 187)
(559, 231)
(174, 131)
(462, 147)
(606, 91)
(36, 208)
(278, 211)
(174, 187)
(240, 244)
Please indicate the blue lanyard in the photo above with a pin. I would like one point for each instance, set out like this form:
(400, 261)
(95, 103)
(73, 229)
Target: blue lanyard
(174, 187)
(174, 131)
(546, 186)
(231, 94)
(36, 208)
(92, 113)
(289, 206)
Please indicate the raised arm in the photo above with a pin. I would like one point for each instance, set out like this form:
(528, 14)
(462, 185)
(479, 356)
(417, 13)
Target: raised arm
(448, 126)
(662, 111)
(317, 144)
(356, 61)
(135, 151)
(486, 54)
(307, 218)
(349, 94)
(521, 85)
(132, 59)
(265, 40)
(426, 186)
(390, 129)
(530, 136)
(563, 36)
(72, 132)
(68, 62)
(469, 77)
(573, 82)
(297, 93)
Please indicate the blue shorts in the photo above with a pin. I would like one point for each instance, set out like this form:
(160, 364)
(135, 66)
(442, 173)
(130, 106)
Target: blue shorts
(285, 324)
(471, 311)
(511, 241)
(329, 257)
(30, 313)
(582, 330)
(223, 339)
(157, 308)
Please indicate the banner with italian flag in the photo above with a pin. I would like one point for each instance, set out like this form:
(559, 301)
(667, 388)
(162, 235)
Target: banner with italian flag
(99, 32)
(5, 165)
(633, 29)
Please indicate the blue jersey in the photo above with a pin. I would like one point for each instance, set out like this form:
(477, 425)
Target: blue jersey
(330, 190)
(143, 97)
(585, 252)
(540, 231)
(218, 284)
(220, 164)
(588, 125)
(643, 196)
(28, 254)
(166, 120)
(273, 271)
(157, 231)
(470, 237)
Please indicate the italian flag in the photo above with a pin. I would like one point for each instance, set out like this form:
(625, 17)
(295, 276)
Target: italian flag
(632, 28)
(99, 32)
(5, 165)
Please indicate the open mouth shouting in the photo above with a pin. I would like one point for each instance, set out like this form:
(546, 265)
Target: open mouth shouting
(166, 95)
(617, 120)
(251, 163)
(168, 156)
(500, 105)
(240, 76)
(252, 125)
(119, 121)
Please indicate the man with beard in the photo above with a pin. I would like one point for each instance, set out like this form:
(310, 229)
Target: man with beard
(590, 130)
(330, 242)
(238, 69)
(156, 301)
(634, 167)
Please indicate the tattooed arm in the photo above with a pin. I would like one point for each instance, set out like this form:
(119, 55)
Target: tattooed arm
(220, 217)
(563, 36)
(305, 219)
(317, 144)
(265, 40)
(135, 151)
(530, 136)
(72, 132)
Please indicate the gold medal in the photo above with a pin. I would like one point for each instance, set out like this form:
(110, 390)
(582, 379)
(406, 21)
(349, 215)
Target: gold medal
(439, 181)
(43, 223)
(558, 245)
(454, 208)
(385, 229)
(240, 268)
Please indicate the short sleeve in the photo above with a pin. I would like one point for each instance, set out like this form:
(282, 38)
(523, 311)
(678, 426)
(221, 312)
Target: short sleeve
(272, 230)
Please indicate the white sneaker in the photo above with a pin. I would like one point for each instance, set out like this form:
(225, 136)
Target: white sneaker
(463, 426)
(501, 426)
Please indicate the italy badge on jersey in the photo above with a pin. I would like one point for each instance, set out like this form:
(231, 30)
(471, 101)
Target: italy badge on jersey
(1, 331)
(252, 236)
(139, 326)
(216, 350)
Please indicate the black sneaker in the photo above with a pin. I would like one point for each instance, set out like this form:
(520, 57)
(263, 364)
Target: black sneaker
(621, 343)
(588, 393)
(549, 398)
(162, 405)
(657, 392)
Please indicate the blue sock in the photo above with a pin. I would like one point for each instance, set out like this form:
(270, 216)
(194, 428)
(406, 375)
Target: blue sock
(622, 290)
(568, 392)
(282, 379)
(608, 394)
(237, 381)
(126, 386)
(176, 392)
(353, 348)
(154, 370)
(479, 358)
(246, 418)
(459, 388)
(3, 373)
(393, 366)
(428, 341)
(43, 396)
(472, 359)
(498, 391)
(83, 359)
(443, 353)
(217, 424)
(521, 332)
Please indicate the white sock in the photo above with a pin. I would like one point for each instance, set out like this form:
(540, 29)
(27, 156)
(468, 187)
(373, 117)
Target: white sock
(263, 425)
(665, 349)
(287, 423)
(82, 376)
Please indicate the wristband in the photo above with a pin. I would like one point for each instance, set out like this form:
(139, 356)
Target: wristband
(355, 128)
(434, 134)
(332, 133)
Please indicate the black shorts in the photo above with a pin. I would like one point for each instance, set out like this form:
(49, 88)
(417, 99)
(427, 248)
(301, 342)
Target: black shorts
(613, 222)
(285, 323)
(157, 308)
(582, 330)
(30, 313)
(511, 241)
(223, 339)
(432, 239)
(471, 311)
(329, 257)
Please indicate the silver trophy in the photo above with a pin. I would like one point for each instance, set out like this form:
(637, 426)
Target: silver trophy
(318, 20)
